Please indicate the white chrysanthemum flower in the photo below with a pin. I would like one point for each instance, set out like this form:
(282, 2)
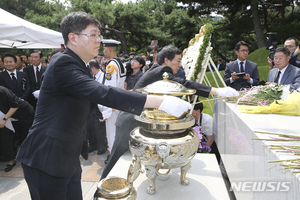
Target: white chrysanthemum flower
(285, 92)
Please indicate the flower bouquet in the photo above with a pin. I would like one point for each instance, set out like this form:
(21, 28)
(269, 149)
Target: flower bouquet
(262, 95)
(269, 99)
(203, 147)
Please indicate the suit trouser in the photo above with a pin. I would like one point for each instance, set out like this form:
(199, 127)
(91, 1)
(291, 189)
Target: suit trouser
(21, 129)
(7, 144)
(96, 132)
(124, 125)
(43, 186)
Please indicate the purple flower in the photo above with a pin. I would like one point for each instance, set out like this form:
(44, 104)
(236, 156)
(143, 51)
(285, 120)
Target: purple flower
(203, 147)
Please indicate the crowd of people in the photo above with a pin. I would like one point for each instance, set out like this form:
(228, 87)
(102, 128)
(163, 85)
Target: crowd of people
(284, 67)
(77, 101)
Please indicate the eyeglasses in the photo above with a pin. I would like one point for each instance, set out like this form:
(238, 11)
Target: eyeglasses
(289, 46)
(244, 50)
(95, 36)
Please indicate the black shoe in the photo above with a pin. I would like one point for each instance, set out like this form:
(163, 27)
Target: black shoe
(100, 152)
(106, 159)
(91, 149)
(9, 167)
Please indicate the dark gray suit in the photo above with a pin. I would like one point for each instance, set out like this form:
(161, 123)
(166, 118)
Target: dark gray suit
(291, 76)
(240, 83)
(126, 123)
(57, 136)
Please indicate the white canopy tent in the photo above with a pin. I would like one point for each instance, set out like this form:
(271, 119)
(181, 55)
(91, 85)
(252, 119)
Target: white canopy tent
(16, 32)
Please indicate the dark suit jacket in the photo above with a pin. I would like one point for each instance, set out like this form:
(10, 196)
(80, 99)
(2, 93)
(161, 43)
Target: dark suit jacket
(33, 84)
(9, 100)
(295, 60)
(57, 136)
(291, 76)
(22, 89)
(31, 75)
(155, 74)
(240, 83)
(221, 66)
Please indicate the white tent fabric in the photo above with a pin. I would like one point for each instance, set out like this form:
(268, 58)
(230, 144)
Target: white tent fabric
(16, 32)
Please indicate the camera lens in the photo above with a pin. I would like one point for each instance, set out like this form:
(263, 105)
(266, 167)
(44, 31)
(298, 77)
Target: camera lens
(271, 55)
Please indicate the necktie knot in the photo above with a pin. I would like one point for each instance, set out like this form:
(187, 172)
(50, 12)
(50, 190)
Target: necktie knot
(13, 77)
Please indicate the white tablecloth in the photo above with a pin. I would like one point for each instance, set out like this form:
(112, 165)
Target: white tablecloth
(205, 178)
(246, 160)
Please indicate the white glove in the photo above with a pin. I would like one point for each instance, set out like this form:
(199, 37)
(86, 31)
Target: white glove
(106, 111)
(174, 106)
(227, 92)
(36, 94)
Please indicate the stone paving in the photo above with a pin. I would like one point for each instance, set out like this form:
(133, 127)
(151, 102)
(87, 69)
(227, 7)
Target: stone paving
(13, 185)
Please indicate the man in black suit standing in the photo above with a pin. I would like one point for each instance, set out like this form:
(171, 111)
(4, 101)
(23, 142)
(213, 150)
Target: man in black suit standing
(241, 73)
(34, 73)
(13, 79)
(18, 83)
(50, 153)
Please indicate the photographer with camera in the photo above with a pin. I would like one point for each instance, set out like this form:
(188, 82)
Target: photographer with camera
(241, 73)
(152, 51)
(292, 44)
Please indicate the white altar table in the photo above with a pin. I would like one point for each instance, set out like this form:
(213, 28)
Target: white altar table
(246, 160)
(205, 178)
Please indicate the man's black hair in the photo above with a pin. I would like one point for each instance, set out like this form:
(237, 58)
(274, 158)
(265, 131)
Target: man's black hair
(94, 63)
(198, 106)
(239, 44)
(152, 47)
(284, 50)
(9, 55)
(141, 60)
(75, 22)
(37, 51)
(295, 39)
(168, 52)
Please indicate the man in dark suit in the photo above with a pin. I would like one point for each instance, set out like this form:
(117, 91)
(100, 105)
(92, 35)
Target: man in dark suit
(220, 65)
(241, 73)
(18, 83)
(34, 73)
(14, 80)
(12, 106)
(284, 73)
(169, 60)
(50, 153)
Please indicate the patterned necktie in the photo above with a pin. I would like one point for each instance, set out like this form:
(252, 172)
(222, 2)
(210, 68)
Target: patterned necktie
(242, 67)
(277, 77)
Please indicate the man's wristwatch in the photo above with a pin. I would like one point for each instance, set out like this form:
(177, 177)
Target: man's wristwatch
(4, 119)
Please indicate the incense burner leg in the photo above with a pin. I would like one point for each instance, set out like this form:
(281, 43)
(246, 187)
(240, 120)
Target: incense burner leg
(151, 175)
(184, 169)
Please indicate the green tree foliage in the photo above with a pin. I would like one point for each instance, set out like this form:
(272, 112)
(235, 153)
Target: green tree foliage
(136, 24)
(240, 22)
